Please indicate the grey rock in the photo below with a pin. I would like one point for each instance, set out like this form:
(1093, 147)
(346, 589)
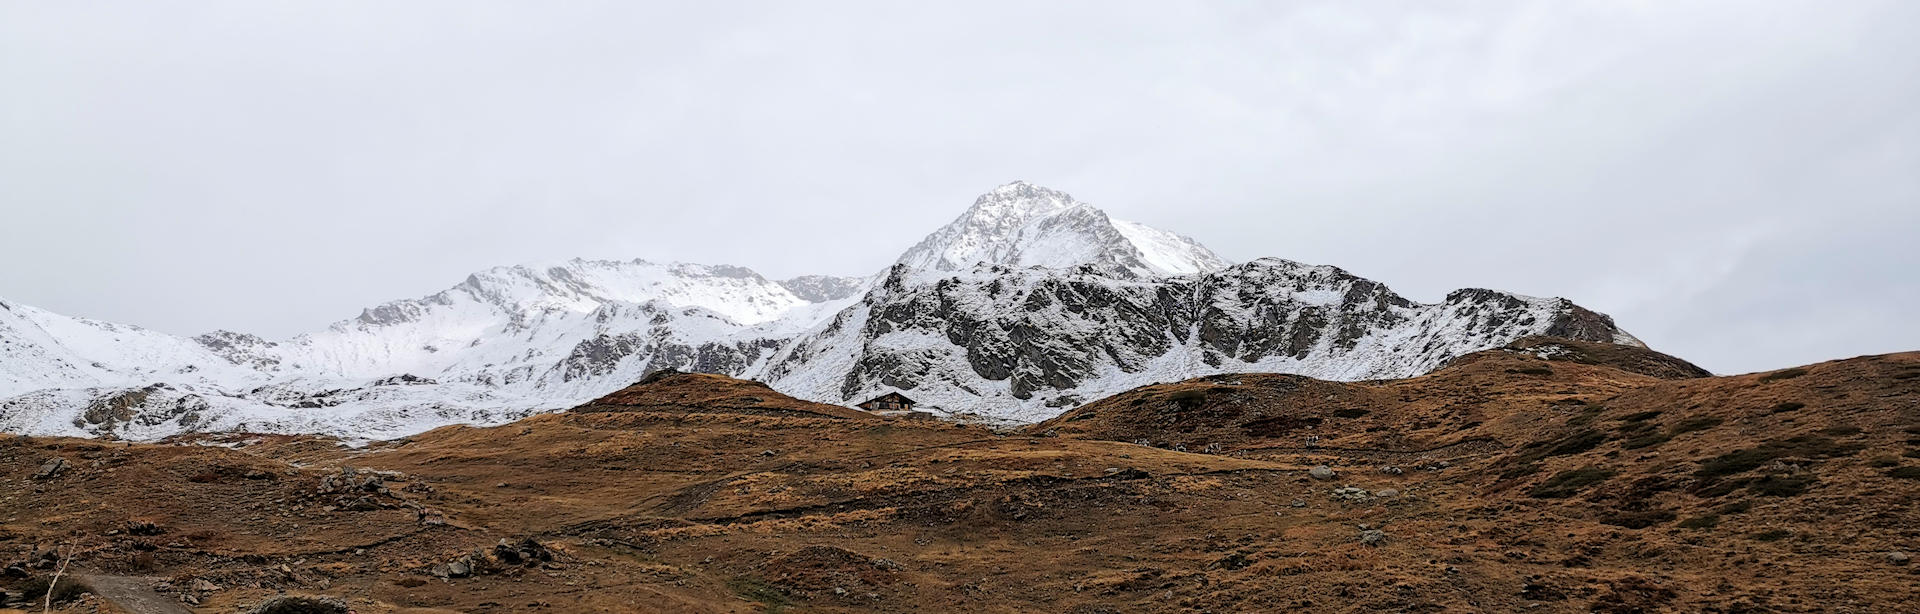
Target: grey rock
(51, 469)
(1387, 493)
(1322, 473)
(1899, 558)
(1373, 537)
(1351, 493)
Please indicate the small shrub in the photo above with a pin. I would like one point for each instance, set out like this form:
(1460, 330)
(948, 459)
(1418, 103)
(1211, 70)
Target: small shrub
(1570, 482)
(1905, 473)
(1532, 371)
(1700, 522)
(1782, 485)
(1699, 423)
(1884, 462)
(1772, 535)
(302, 605)
(1350, 413)
(1783, 375)
(1788, 406)
(1841, 431)
(1640, 417)
(1738, 507)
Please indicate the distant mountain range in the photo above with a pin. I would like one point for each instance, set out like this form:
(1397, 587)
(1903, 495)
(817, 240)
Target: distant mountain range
(1029, 304)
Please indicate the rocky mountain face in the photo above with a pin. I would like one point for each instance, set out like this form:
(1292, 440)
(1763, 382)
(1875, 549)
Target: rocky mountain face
(1025, 344)
(1028, 304)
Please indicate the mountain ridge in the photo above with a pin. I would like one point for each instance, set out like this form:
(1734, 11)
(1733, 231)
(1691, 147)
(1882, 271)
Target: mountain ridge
(1027, 304)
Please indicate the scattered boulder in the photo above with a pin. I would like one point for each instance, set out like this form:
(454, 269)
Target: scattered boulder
(525, 552)
(1373, 537)
(1351, 493)
(1899, 558)
(1391, 470)
(349, 480)
(51, 469)
(1322, 473)
(1387, 493)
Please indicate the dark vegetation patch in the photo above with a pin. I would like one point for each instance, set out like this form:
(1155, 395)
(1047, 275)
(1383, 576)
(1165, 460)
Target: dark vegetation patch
(1527, 461)
(1637, 519)
(1738, 507)
(1783, 375)
(1700, 522)
(1782, 485)
(302, 605)
(1905, 473)
(1575, 443)
(1841, 431)
(1640, 416)
(1748, 459)
(1788, 406)
(1570, 482)
(1715, 487)
(67, 590)
(1188, 396)
(1278, 425)
(1773, 535)
(1350, 413)
(1586, 416)
(1646, 441)
(1697, 423)
(1532, 371)
(1884, 462)
(755, 589)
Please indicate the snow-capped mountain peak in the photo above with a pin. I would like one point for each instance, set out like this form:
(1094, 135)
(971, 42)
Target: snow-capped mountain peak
(1023, 225)
(1027, 304)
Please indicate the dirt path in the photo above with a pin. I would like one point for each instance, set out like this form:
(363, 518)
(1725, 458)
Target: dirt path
(133, 594)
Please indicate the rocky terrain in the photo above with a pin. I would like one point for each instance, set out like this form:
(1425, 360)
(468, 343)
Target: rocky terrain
(1029, 303)
(1546, 475)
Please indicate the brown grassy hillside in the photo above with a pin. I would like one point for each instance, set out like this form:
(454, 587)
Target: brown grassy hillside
(1596, 479)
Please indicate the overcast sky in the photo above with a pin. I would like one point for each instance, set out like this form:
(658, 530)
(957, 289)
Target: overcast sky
(1738, 183)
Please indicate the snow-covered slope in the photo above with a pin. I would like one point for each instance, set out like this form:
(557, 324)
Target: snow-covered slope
(1028, 304)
